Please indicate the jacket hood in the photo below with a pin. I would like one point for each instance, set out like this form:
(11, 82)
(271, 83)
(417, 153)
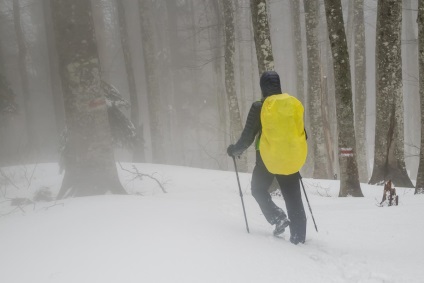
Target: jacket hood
(270, 83)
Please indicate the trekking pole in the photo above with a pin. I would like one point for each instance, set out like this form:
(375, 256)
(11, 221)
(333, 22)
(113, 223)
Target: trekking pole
(306, 196)
(241, 194)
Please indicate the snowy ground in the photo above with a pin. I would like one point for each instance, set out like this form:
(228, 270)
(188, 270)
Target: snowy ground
(196, 233)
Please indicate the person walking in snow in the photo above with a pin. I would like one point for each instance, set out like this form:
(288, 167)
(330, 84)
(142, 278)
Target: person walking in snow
(261, 176)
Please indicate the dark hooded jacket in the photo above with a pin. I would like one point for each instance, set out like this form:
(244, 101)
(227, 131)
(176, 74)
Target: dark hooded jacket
(270, 84)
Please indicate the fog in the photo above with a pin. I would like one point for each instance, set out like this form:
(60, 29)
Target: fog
(189, 47)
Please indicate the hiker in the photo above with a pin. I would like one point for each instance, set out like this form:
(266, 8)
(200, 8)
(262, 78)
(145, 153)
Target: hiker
(262, 177)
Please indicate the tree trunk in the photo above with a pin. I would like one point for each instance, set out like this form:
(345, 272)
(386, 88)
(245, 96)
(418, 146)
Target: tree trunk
(349, 178)
(240, 26)
(332, 103)
(410, 73)
(55, 84)
(350, 25)
(230, 85)
(138, 150)
(7, 109)
(196, 147)
(389, 163)
(297, 48)
(419, 188)
(360, 90)
(88, 156)
(328, 137)
(177, 124)
(316, 133)
(218, 81)
(262, 36)
(23, 71)
(152, 81)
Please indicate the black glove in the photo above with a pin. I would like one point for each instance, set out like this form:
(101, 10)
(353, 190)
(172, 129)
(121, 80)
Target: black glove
(230, 150)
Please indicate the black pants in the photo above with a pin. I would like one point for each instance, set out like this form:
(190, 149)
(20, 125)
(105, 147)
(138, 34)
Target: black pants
(290, 188)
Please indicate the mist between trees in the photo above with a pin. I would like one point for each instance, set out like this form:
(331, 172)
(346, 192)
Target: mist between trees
(87, 83)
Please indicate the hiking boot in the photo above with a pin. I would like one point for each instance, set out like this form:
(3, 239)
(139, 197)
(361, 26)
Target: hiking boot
(296, 240)
(281, 225)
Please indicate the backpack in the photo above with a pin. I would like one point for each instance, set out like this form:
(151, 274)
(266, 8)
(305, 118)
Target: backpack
(282, 145)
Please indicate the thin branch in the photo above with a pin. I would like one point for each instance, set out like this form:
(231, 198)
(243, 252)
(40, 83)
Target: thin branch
(32, 175)
(8, 180)
(141, 175)
(10, 212)
(53, 205)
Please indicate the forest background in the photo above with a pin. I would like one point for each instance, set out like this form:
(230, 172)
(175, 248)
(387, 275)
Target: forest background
(186, 72)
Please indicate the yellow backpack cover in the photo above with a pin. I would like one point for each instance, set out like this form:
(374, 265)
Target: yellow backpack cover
(282, 144)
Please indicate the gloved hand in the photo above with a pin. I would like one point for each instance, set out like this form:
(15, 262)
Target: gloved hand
(230, 150)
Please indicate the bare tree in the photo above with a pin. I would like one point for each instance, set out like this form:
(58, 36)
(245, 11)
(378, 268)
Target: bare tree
(316, 133)
(88, 157)
(175, 54)
(55, 84)
(350, 25)
(262, 36)
(360, 89)
(230, 85)
(419, 188)
(152, 81)
(218, 76)
(8, 108)
(410, 74)
(389, 163)
(138, 151)
(24, 73)
(349, 179)
(297, 48)
(7, 97)
(239, 20)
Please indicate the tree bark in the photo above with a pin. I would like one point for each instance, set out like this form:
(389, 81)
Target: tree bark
(419, 188)
(239, 18)
(230, 85)
(138, 150)
(410, 73)
(8, 108)
(177, 123)
(389, 163)
(262, 36)
(350, 25)
(316, 133)
(349, 178)
(195, 86)
(23, 71)
(88, 158)
(55, 84)
(328, 137)
(152, 81)
(218, 80)
(360, 89)
(297, 48)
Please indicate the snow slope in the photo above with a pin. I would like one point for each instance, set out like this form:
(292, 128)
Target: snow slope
(196, 233)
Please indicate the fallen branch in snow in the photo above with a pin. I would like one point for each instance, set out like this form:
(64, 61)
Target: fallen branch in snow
(6, 178)
(29, 181)
(53, 205)
(10, 212)
(19, 203)
(321, 190)
(141, 175)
